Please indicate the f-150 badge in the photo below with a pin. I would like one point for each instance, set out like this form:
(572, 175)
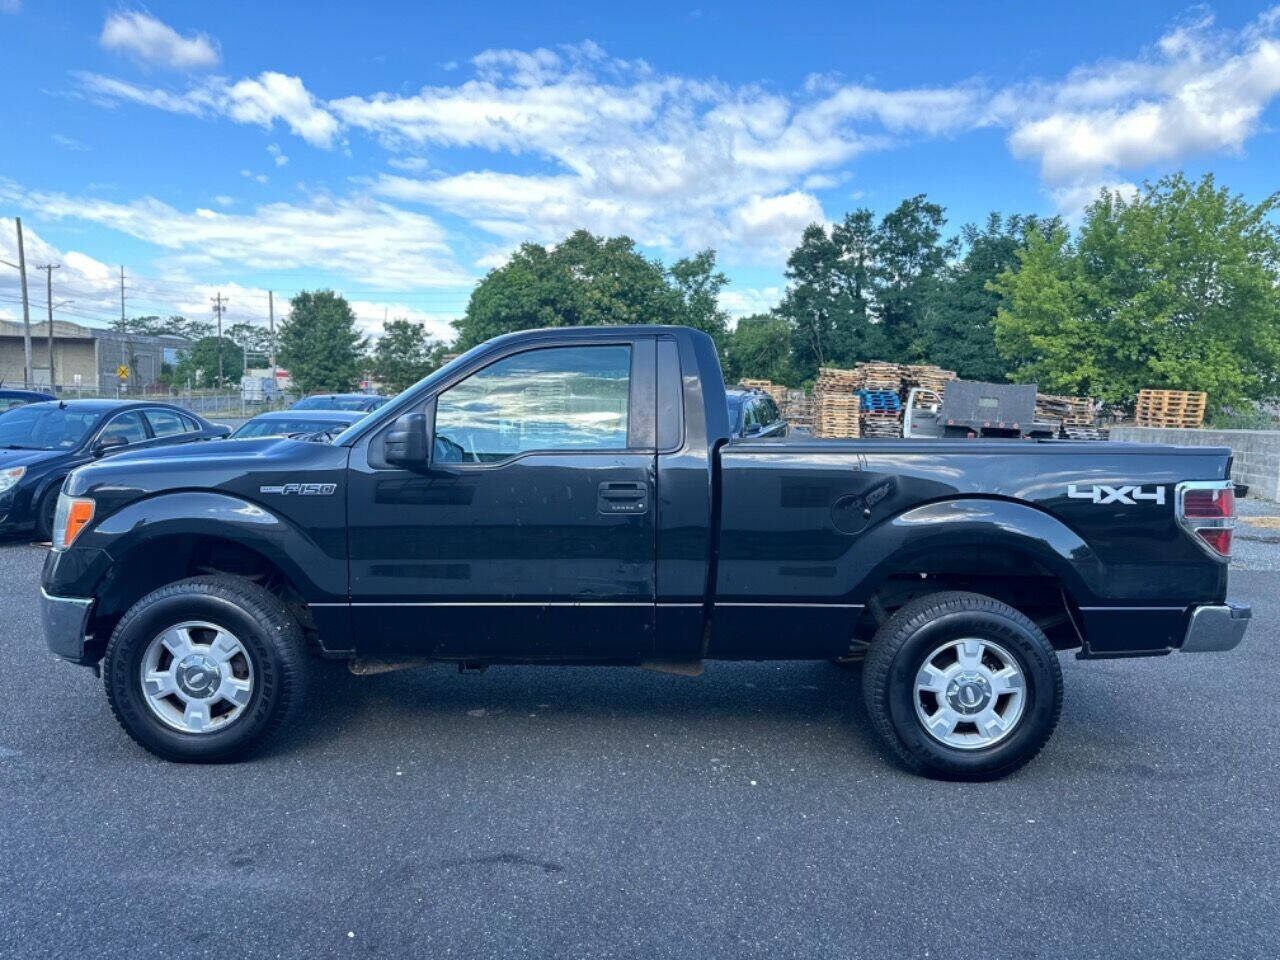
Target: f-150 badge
(301, 489)
(1128, 495)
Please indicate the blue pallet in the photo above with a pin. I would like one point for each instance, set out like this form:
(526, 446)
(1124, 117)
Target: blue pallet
(881, 401)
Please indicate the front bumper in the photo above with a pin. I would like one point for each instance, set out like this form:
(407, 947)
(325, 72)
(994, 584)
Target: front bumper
(1215, 628)
(66, 622)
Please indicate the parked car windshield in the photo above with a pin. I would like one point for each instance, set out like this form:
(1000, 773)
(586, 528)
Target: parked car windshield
(337, 403)
(45, 427)
(273, 427)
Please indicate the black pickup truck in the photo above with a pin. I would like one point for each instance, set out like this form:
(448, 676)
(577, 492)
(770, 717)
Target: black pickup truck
(572, 496)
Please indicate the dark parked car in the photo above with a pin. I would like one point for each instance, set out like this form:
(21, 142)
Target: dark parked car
(364, 402)
(18, 398)
(289, 423)
(40, 443)
(752, 413)
(574, 496)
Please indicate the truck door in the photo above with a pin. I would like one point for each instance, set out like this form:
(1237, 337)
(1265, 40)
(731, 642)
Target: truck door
(531, 536)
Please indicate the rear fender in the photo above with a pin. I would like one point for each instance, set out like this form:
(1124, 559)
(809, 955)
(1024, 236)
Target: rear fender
(982, 529)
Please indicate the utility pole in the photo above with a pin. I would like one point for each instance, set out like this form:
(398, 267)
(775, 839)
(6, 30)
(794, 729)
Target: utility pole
(26, 309)
(271, 320)
(48, 268)
(219, 304)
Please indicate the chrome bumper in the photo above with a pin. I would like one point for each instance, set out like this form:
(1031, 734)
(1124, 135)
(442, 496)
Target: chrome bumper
(65, 621)
(1214, 628)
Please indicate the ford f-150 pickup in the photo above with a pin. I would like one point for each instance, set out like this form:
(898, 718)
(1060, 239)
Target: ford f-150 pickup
(573, 496)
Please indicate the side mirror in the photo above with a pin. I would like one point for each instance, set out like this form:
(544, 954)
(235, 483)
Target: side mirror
(751, 430)
(407, 442)
(221, 431)
(105, 444)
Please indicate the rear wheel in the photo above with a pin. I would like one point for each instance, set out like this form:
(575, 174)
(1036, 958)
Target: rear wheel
(962, 687)
(205, 669)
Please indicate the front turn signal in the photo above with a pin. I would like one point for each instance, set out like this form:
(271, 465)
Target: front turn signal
(72, 516)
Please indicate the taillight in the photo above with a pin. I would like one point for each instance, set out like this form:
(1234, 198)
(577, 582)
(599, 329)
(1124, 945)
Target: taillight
(1207, 510)
(72, 516)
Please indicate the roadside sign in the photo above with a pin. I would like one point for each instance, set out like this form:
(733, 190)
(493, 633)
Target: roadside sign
(122, 372)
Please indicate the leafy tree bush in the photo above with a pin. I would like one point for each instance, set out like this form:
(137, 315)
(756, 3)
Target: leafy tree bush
(319, 344)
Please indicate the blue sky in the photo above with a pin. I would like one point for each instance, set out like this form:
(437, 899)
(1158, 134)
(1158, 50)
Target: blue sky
(396, 151)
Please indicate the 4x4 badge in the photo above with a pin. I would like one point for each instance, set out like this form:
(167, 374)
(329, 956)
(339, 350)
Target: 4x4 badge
(1128, 495)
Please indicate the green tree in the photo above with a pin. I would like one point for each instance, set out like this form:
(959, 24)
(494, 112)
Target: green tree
(698, 283)
(1178, 287)
(760, 348)
(957, 328)
(588, 280)
(404, 354)
(199, 365)
(319, 344)
(907, 272)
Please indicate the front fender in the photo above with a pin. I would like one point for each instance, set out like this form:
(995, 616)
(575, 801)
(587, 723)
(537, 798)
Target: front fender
(980, 528)
(317, 570)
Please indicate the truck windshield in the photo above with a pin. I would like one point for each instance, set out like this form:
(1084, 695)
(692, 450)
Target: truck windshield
(39, 426)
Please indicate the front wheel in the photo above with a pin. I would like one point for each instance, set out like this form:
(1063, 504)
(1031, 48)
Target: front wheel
(962, 687)
(205, 669)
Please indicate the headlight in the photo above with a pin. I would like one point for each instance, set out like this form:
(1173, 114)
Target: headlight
(9, 478)
(72, 516)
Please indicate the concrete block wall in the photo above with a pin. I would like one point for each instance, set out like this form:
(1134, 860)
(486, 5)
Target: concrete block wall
(1256, 452)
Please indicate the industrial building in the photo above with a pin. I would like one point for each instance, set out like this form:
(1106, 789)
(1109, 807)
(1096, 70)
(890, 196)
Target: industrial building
(86, 357)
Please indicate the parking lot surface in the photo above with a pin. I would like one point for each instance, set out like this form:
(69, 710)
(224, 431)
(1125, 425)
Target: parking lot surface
(587, 812)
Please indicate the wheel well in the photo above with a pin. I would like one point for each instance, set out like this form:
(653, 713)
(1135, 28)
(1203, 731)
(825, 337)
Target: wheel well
(1007, 575)
(164, 560)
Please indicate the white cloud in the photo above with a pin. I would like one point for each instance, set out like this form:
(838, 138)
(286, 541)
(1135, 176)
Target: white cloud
(70, 143)
(270, 97)
(745, 301)
(1198, 91)
(275, 96)
(367, 241)
(150, 41)
(370, 313)
(277, 154)
(581, 139)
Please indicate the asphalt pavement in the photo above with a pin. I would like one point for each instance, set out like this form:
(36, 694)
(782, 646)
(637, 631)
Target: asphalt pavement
(594, 813)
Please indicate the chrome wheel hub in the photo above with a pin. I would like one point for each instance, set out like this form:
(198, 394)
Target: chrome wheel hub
(196, 677)
(970, 693)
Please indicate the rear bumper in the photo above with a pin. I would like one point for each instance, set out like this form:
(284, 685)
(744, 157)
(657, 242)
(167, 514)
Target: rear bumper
(1217, 627)
(65, 621)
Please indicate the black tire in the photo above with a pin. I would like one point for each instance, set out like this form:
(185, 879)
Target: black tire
(897, 654)
(45, 511)
(269, 634)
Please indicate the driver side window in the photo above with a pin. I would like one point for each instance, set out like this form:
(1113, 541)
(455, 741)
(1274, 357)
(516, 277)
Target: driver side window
(557, 398)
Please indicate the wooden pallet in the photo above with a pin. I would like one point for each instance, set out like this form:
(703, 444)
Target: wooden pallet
(1181, 409)
(928, 376)
(755, 384)
(886, 424)
(836, 415)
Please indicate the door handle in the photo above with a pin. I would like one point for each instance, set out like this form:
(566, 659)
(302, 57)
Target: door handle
(622, 496)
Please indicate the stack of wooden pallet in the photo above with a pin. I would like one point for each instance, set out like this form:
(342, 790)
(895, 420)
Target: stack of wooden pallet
(1069, 411)
(797, 408)
(928, 376)
(880, 375)
(836, 380)
(1171, 408)
(836, 415)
